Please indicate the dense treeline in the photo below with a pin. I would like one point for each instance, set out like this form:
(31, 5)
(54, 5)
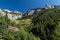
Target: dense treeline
(47, 25)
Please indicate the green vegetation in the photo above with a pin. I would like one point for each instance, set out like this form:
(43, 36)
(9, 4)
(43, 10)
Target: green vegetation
(44, 26)
(9, 34)
(47, 25)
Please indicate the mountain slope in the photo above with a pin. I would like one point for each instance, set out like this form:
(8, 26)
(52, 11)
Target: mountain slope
(12, 15)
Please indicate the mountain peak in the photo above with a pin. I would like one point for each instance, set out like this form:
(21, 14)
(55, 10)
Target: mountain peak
(16, 11)
(7, 10)
(10, 14)
(48, 6)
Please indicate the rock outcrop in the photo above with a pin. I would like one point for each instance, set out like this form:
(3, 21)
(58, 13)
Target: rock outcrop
(12, 15)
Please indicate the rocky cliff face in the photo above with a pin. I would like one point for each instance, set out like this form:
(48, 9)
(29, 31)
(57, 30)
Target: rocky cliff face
(48, 6)
(12, 15)
(32, 12)
(2, 13)
(35, 11)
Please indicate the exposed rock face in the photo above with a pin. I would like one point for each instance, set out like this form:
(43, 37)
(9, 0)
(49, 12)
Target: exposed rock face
(2, 13)
(32, 12)
(12, 15)
(7, 10)
(17, 12)
(48, 6)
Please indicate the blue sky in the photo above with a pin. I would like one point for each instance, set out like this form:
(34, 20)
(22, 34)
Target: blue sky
(23, 5)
